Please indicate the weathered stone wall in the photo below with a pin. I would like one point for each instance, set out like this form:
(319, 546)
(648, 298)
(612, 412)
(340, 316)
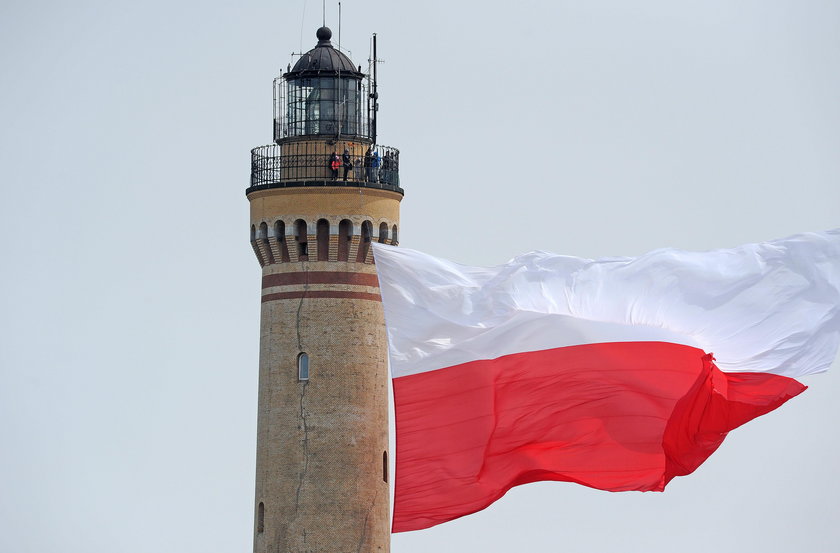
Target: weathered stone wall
(321, 442)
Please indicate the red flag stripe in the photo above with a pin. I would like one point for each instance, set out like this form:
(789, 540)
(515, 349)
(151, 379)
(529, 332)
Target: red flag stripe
(612, 416)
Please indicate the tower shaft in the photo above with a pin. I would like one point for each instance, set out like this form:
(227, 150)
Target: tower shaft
(322, 453)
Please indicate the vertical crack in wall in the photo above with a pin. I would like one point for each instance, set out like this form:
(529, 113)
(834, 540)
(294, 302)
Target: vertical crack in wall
(302, 412)
(305, 447)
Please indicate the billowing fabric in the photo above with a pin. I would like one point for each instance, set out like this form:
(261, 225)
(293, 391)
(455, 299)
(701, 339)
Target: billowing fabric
(613, 416)
(619, 374)
(768, 307)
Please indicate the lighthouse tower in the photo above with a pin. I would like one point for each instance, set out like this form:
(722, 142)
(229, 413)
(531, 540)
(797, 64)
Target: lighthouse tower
(319, 195)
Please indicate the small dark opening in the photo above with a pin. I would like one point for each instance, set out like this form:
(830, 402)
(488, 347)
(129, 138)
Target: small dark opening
(263, 235)
(364, 244)
(260, 518)
(302, 237)
(323, 235)
(280, 234)
(345, 235)
(385, 466)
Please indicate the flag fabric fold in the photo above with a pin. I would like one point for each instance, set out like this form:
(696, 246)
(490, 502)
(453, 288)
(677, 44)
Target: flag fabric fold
(598, 372)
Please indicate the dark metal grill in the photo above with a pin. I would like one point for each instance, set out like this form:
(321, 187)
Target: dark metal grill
(322, 105)
(310, 164)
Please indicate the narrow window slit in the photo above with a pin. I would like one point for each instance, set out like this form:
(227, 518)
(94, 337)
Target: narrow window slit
(303, 366)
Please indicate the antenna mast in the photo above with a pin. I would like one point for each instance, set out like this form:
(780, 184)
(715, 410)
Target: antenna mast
(374, 94)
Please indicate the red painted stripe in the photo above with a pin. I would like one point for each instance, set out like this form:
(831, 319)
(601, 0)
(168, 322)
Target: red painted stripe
(320, 277)
(321, 294)
(612, 416)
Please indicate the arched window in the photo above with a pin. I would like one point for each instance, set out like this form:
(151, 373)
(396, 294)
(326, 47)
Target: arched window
(256, 247)
(364, 243)
(323, 234)
(280, 234)
(345, 236)
(394, 239)
(261, 518)
(302, 239)
(383, 233)
(263, 237)
(303, 366)
(384, 467)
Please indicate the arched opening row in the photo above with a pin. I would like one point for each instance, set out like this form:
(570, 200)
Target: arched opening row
(330, 243)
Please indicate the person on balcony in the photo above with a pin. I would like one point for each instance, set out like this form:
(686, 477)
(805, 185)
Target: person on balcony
(334, 164)
(348, 163)
(374, 164)
(386, 168)
(358, 169)
(369, 164)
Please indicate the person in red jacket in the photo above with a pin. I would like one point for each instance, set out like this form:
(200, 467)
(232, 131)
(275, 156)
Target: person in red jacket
(335, 163)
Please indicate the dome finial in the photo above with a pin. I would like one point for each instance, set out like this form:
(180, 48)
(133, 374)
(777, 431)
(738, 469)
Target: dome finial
(324, 35)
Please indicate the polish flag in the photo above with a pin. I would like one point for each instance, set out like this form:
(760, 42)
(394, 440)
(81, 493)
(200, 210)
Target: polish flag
(616, 373)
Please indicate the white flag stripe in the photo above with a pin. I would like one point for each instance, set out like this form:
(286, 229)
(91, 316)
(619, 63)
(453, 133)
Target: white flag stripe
(768, 307)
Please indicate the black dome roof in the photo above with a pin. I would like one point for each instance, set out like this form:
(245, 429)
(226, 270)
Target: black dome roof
(324, 58)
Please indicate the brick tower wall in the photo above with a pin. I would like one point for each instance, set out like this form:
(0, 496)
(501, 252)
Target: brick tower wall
(322, 444)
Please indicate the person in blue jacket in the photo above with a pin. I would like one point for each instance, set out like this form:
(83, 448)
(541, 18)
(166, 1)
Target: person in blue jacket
(374, 165)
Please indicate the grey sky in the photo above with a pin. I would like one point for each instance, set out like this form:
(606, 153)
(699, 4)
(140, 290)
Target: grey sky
(129, 296)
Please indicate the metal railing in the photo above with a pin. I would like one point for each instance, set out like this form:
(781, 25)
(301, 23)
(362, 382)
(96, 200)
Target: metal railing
(320, 164)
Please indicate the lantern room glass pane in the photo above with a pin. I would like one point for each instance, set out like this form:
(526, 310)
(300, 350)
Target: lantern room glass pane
(324, 105)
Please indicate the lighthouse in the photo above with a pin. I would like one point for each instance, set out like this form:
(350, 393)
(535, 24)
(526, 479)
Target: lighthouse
(319, 195)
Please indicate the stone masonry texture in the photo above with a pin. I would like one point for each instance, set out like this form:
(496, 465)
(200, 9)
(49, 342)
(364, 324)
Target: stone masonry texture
(321, 442)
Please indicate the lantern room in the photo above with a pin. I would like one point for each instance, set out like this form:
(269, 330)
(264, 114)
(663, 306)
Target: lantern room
(323, 95)
(325, 126)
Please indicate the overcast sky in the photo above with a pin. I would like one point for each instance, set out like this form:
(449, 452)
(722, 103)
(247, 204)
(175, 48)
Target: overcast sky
(129, 295)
